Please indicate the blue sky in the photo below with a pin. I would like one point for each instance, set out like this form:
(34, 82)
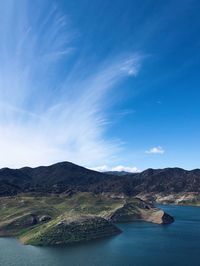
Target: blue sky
(105, 84)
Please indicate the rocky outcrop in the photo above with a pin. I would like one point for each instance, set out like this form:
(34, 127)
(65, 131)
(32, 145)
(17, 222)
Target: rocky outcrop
(140, 210)
(44, 218)
(167, 219)
(13, 226)
(186, 198)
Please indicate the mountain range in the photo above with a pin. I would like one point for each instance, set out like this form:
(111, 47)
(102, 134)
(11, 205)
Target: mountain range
(65, 203)
(65, 177)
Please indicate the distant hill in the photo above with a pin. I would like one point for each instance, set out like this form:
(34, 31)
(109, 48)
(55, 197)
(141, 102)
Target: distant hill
(118, 173)
(65, 177)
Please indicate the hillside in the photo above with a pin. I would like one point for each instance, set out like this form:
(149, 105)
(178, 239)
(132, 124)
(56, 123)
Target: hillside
(61, 219)
(67, 177)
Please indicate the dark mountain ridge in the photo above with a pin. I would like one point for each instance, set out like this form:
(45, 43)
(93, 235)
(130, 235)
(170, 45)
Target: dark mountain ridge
(65, 176)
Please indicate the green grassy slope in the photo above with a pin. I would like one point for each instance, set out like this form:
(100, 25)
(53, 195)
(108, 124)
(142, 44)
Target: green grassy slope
(62, 219)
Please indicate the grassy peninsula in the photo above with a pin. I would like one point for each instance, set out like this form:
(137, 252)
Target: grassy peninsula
(64, 219)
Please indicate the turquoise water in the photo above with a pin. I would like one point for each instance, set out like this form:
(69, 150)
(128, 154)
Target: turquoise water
(141, 244)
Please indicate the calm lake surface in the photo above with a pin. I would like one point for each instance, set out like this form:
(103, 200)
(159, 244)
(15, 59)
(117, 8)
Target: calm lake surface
(141, 244)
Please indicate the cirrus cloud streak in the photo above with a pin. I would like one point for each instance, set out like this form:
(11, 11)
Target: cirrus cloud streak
(51, 109)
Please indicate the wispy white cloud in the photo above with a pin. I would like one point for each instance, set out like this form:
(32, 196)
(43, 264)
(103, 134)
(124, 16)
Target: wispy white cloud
(118, 168)
(155, 150)
(101, 168)
(49, 112)
(121, 168)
